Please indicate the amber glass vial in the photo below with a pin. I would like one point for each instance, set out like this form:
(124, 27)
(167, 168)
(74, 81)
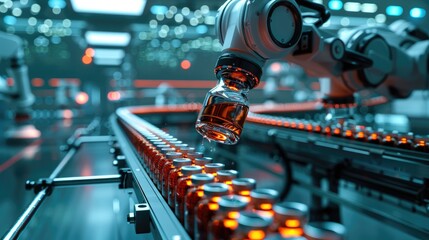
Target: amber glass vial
(226, 176)
(213, 168)
(251, 226)
(173, 177)
(156, 158)
(289, 219)
(243, 187)
(186, 150)
(168, 160)
(195, 155)
(263, 200)
(183, 184)
(203, 161)
(225, 222)
(207, 207)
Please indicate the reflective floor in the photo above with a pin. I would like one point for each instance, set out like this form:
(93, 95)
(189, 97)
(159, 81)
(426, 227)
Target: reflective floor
(89, 212)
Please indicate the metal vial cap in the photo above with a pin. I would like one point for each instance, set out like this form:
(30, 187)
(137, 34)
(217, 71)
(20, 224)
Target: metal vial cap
(201, 178)
(195, 155)
(173, 155)
(243, 184)
(203, 161)
(232, 203)
(226, 175)
(180, 162)
(215, 189)
(190, 170)
(213, 167)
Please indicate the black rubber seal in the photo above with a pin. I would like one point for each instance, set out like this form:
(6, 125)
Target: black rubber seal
(234, 61)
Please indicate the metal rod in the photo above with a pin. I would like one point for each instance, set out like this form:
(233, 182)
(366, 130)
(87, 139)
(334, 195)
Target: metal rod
(407, 227)
(74, 181)
(25, 218)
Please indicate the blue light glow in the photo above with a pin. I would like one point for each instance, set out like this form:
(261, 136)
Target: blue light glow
(394, 10)
(417, 13)
(335, 5)
(158, 9)
(57, 4)
(9, 20)
(201, 29)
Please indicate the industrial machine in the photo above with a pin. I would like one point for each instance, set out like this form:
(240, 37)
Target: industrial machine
(354, 177)
(18, 91)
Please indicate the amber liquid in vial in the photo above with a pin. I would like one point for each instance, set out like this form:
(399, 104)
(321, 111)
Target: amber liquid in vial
(222, 122)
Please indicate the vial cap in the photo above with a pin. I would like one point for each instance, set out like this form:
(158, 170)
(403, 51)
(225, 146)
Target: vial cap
(292, 210)
(243, 184)
(180, 146)
(201, 178)
(180, 162)
(215, 189)
(214, 167)
(226, 175)
(187, 150)
(190, 170)
(167, 150)
(161, 145)
(170, 139)
(324, 230)
(264, 194)
(175, 142)
(195, 155)
(173, 155)
(203, 161)
(250, 220)
(232, 203)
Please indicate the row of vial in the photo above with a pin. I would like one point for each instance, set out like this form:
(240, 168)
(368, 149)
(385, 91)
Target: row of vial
(360, 133)
(211, 202)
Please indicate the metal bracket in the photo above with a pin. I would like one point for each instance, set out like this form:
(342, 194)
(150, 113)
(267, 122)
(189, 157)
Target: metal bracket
(126, 178)
(120, 162)
(140, 218)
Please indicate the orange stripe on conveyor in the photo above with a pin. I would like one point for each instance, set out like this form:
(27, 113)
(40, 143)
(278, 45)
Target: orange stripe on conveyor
(19, 155)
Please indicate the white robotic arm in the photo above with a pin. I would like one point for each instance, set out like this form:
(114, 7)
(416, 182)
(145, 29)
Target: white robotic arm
(20, 95)
(389, 60)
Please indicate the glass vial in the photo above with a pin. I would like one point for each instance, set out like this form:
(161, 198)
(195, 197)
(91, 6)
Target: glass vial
(173, 176)
(263, 200)
(243, 187)
(251, 226)
(289, 219)
(183, 185)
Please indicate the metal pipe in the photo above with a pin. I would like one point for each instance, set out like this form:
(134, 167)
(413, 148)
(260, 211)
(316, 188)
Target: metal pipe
(25, 218)
(63, 163)
(74, 181)
(407, 227)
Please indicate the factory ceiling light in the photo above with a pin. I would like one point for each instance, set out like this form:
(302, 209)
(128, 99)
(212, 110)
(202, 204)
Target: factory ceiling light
(113, 7)
(119, 39)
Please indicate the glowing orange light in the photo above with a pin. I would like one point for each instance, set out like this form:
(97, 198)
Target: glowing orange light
(388, 138)
(213, 206)
(232, 224)
(374, 136)
(185, 64)
(86, 59)
(200, 193)
(67, 114)
(293, 125)
(287, 124)
(244, 193)
(349, 133)
(90, 52)
(37, 82)
(404, 140)
(361, 135)
(422, 143)
(233, 215)
(10, 82)
(188, 182)
(337, 131)
(301, 126)
(256, 234)
(292, 223)
(215, 199)
(290, 232)
(309, 127)
(266, 206)
(228, 182)
(276, 67)
(318, 129)
(327, 130)
(114, 96)
(81, 98)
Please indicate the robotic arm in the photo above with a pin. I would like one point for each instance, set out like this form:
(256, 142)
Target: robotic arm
(391, 60)
(19, 94)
